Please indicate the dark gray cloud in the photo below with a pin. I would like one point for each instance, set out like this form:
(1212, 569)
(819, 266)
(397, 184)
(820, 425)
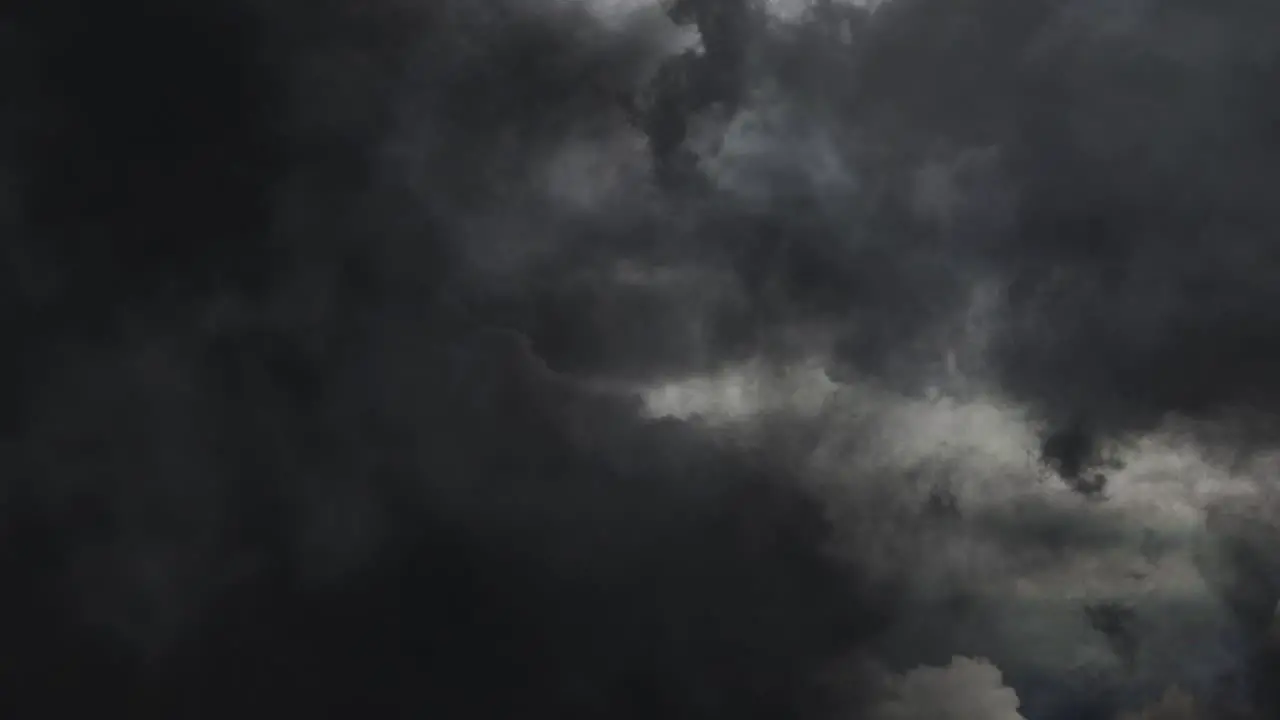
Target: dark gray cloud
(546, 356)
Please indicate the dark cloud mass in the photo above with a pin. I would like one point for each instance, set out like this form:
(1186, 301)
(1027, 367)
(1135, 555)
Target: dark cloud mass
(616, 358)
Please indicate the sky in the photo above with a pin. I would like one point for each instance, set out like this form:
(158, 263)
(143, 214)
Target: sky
(616, 358)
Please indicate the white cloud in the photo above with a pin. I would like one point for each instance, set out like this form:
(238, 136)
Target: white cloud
(967, 689)
(741, 393)
(794, 10)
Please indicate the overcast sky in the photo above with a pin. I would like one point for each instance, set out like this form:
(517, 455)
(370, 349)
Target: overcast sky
(599, 358)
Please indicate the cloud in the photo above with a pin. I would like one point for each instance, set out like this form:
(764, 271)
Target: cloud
(1173, 705)
(965, 688)
(383, 357)
(1019, 568)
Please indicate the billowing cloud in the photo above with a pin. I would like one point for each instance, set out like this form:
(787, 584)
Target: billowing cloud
(610, 358)
(966, 688)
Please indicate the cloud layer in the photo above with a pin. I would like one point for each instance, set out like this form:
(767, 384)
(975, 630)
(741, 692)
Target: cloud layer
(605, 358)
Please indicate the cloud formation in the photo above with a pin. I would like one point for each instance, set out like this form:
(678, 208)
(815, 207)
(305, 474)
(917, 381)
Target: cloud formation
(966, 688)
(629, 359)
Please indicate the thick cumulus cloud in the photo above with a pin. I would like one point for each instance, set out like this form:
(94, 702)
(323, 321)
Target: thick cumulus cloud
(966, 688)
(625, 358)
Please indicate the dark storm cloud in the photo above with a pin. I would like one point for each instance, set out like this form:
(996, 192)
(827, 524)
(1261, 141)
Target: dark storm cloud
(402, 357)
(272, 446)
